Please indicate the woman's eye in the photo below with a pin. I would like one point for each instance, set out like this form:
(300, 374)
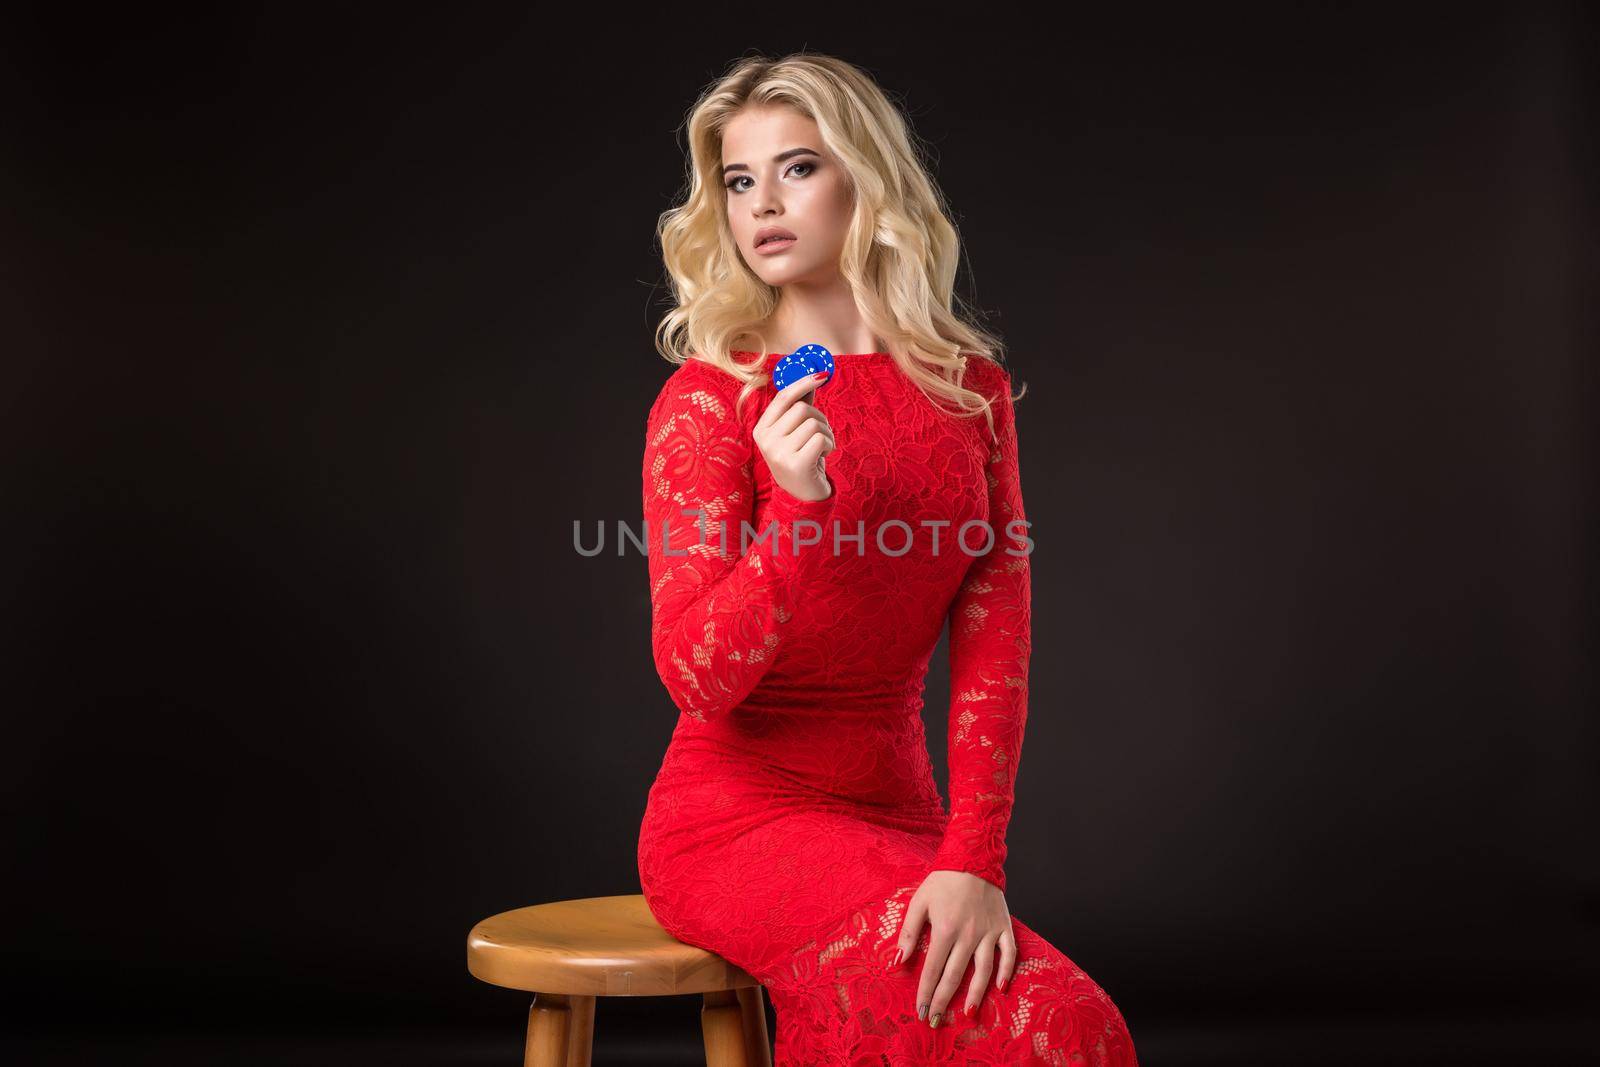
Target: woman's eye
(733, 186)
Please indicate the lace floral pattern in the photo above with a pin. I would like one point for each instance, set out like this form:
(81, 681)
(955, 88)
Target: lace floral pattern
(795, 811)
(842, 1001)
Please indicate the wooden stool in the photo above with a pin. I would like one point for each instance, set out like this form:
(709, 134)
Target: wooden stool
(569, 952)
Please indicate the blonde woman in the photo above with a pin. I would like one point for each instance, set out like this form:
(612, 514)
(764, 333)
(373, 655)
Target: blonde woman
(806, 547)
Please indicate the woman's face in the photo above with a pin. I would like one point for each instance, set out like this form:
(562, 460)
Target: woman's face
(779, 174)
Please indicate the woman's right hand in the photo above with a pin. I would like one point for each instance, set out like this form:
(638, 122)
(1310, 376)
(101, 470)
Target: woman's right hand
(794, 437)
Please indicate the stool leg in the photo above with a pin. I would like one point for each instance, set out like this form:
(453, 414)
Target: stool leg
(580, 1038)
(753, 1003)
(722, 1025)
(549, 1031)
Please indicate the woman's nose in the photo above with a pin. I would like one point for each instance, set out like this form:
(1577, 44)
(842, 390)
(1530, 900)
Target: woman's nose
(767, 204)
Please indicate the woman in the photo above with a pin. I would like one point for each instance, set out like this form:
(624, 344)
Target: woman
(795, 827)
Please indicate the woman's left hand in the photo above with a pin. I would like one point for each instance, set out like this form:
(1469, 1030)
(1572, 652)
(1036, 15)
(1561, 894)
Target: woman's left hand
(967, 918)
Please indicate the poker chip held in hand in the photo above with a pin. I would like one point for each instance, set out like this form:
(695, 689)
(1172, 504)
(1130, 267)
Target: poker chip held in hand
(802, 362)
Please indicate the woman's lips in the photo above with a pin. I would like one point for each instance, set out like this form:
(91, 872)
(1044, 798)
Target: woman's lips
(772, 248)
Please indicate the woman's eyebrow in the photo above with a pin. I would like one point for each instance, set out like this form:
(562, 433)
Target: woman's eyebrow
(779, 158)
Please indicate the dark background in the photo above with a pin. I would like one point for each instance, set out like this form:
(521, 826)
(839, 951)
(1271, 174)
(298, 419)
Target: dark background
(324, 325)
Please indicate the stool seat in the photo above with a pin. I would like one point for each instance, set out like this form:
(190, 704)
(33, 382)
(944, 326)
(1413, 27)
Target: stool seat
(594, 946)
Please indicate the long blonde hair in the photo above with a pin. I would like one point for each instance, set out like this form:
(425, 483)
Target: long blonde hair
(900, 254)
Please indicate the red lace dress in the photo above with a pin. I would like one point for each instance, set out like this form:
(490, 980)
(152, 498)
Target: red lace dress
(795, 811)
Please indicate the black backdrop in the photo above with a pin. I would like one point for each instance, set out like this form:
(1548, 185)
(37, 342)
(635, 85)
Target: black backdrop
(324, 326)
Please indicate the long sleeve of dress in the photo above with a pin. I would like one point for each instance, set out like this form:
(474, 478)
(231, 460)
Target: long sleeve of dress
(990, 644)
(718, 618)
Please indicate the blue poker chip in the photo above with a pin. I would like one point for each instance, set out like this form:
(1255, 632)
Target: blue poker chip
(802, 362)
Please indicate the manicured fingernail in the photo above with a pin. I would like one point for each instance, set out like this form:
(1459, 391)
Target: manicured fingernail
(933, 1021)
(971, 1011)
(820, 374)
(1001, 985)
(922, 1011)
(898, 953)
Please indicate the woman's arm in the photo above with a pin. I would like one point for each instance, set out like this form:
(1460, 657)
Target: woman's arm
(990, 643)
(717, 619)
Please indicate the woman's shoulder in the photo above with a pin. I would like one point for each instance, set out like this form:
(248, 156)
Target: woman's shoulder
(986, 375)
(695, 364)
(700, 372)
(699, 386)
